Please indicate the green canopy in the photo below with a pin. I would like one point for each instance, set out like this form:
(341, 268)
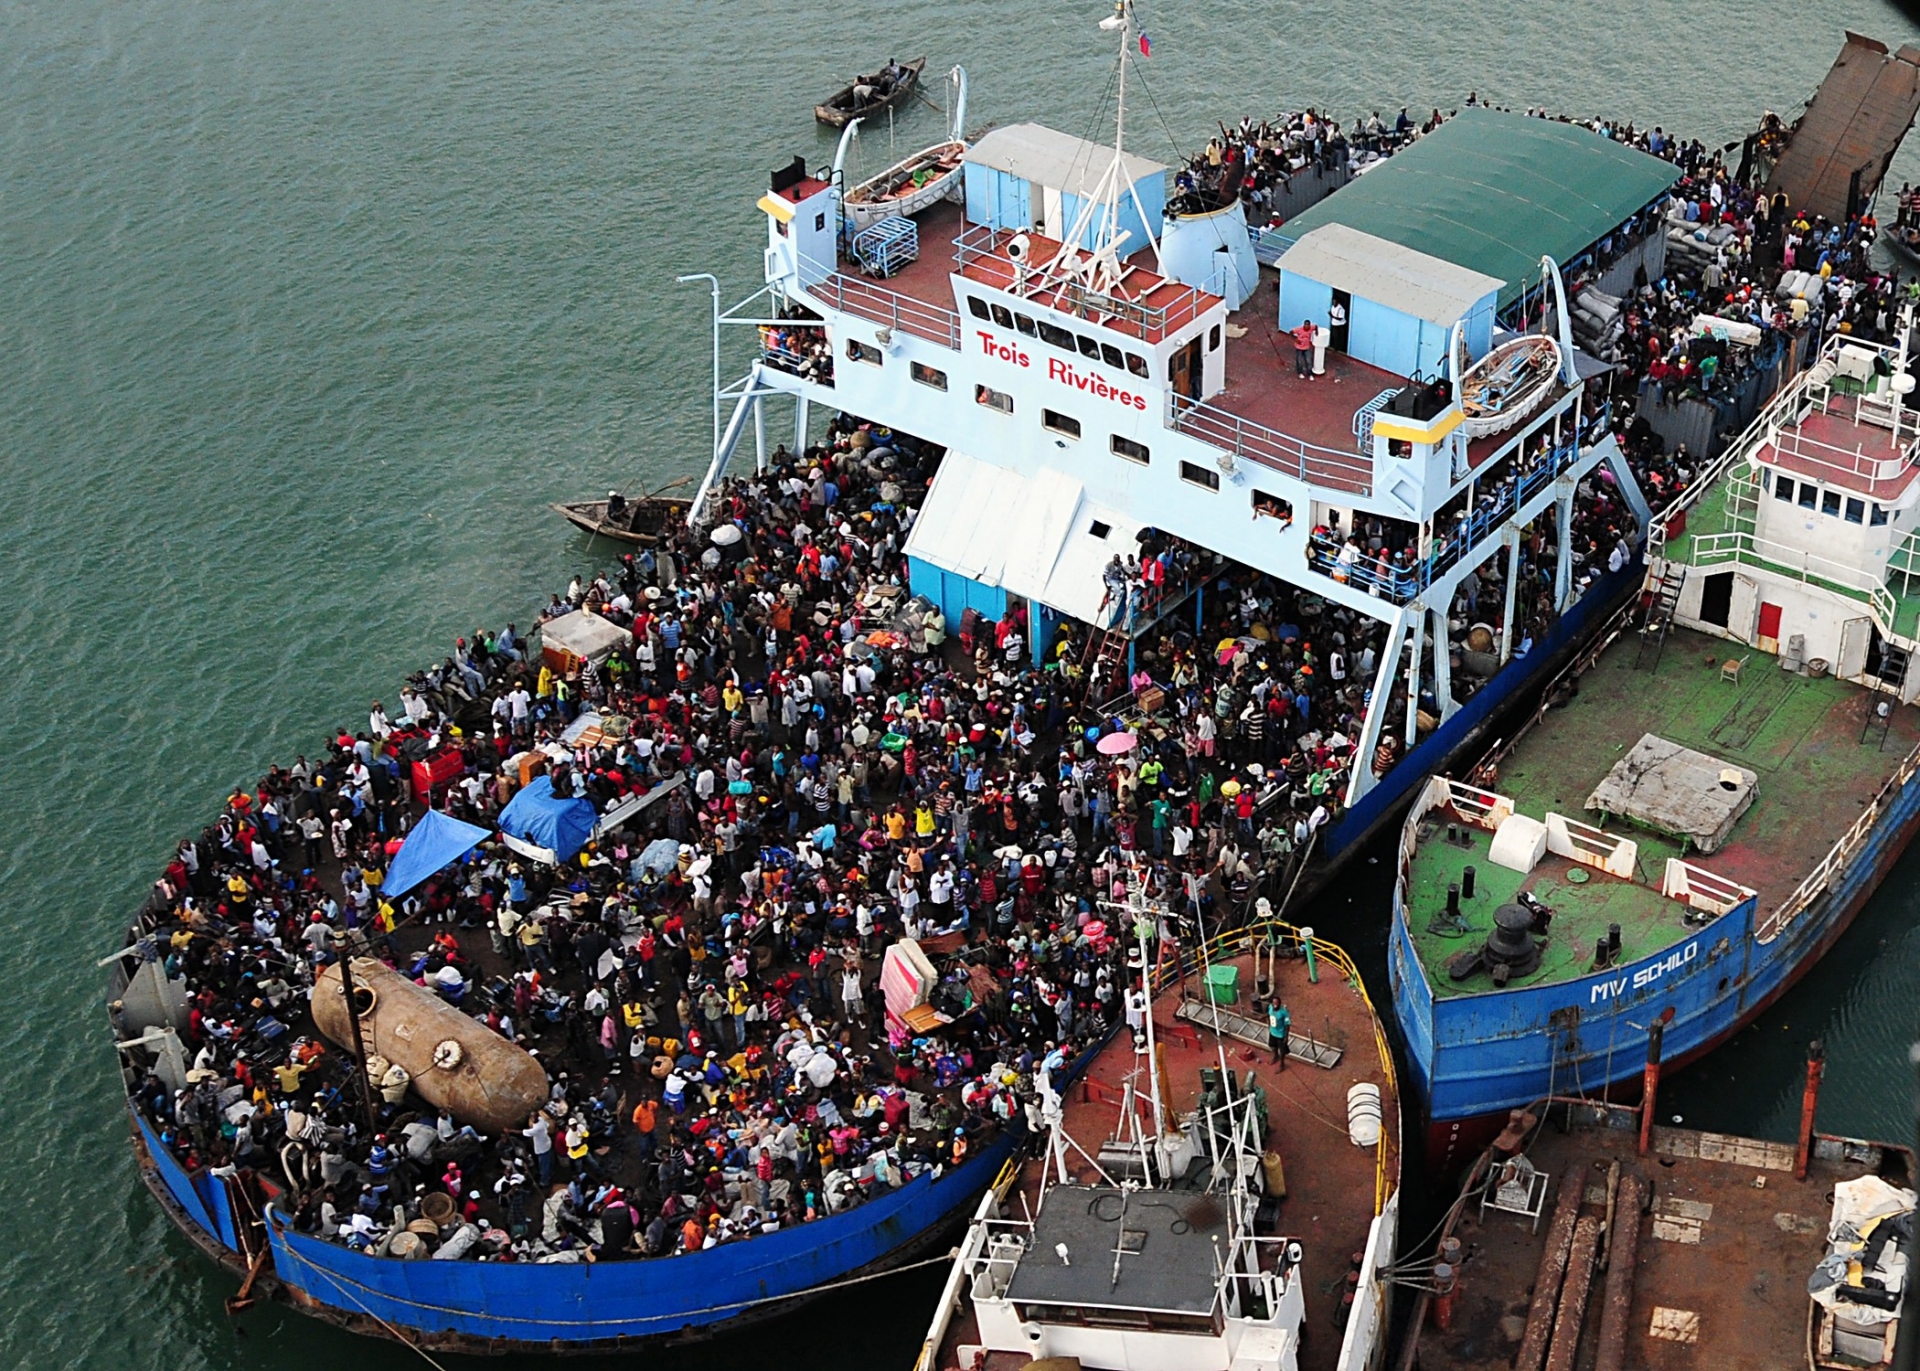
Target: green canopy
(1496, 193)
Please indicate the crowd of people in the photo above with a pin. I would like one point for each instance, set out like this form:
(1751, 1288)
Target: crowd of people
(721, 1057)
(830, 770)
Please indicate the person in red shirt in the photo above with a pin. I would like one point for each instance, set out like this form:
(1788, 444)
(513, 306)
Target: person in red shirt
(1303, 350)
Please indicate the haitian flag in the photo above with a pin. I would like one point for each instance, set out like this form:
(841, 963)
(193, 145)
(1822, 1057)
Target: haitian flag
(1146, 47)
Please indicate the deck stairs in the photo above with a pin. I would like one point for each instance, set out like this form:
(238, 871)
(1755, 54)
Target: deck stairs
(1904, 561)
(1105, 650)
(1895, 664)
(1665, 599)
(1743, 500)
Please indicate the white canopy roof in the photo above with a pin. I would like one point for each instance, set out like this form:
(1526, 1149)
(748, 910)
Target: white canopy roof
(1388, 274)
(584, 634)
(1037, 153)
(1033, 535)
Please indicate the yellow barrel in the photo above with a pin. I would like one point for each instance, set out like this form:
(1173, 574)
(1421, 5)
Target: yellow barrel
(457, 1063)
(1276, 1175)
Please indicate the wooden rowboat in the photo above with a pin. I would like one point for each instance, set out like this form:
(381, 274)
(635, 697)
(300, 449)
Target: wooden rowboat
(1508, 384)
(838, 109)
(643, 521)
(930, 175)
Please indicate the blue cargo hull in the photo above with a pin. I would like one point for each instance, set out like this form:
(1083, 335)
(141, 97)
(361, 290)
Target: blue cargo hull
(1439, 748)
(499, 1307)
(1474, 1057)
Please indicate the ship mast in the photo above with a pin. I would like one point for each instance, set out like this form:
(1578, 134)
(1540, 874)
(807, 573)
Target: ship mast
(1097, 266)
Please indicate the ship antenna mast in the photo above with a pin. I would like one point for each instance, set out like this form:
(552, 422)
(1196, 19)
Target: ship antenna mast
(1097, 225)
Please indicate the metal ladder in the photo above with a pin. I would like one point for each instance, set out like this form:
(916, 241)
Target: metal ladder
(1105, 650)
(1660, 609)
(1894, 664)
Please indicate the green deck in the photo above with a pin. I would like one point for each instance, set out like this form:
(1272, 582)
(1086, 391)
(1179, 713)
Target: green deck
(1802, 737)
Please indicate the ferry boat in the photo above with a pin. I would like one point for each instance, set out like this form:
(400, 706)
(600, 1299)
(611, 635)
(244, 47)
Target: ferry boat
(1706, 797)
(1101, 367)
(1591, 1235)
(1193, 1206)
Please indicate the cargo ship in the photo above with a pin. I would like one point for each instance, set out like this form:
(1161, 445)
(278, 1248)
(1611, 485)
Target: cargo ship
(1706, 797)
(1192, 1205)
(1591, 1235)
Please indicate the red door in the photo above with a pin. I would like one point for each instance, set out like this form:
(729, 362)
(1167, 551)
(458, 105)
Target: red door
(1769, 627)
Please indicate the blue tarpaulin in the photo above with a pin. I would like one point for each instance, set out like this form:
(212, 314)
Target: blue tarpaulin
(536, 815)
(437, 841)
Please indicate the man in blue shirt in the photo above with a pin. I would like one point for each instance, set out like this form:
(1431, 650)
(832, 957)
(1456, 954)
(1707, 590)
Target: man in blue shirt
(1279, 1023)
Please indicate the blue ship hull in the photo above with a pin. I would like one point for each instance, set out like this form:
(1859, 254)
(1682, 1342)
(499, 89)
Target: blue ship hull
(1439, 749)
(1475, 1057)
(504, 1307)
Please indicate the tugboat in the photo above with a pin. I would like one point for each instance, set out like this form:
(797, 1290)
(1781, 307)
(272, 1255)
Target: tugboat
(1705, 799)
(1193, 1205)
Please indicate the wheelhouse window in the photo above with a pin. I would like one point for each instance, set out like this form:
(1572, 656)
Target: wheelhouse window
(1783, 489)
(993, 399)
(1132, 451)
(1198, 475)
(1055, 336)
(977, 307)
(1112, 356)
(1064, 424)
(1856, 511)
(1002, 315)
(1089, 348)
(1809, 493)
(1137, 364)
(1830, 503)
(1879, 516)
(927, 376)
(858, 351)
(1024, 324)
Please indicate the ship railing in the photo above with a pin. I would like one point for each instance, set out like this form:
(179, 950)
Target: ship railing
(1280, 934)
(1754, 436)
(1150, 323)
(889, 308)
(1838, 461)
(1483, 808)
(1738, 545)
(1832, 867)
(1250, 1277)
(1589, 846)
(1701, 889)
(1270, 448)
(1400, 583)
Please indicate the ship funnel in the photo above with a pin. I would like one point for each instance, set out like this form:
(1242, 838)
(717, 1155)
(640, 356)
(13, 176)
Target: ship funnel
(1209, 249)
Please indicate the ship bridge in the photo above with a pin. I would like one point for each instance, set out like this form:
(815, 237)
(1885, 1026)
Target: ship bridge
(1131, 367)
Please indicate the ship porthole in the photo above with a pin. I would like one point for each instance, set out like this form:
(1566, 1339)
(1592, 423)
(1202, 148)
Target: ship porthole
(364, 999)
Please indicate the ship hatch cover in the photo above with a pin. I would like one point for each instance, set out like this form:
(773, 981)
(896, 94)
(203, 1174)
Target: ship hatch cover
(1670, 789)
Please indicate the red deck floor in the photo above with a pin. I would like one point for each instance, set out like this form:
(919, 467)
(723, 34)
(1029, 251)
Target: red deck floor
(1263, 388)
(1330, 1182)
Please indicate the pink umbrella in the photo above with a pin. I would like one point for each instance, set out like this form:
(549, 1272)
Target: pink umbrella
(1116, 743)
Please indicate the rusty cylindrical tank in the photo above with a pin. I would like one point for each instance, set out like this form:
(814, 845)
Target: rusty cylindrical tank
(456, 1062)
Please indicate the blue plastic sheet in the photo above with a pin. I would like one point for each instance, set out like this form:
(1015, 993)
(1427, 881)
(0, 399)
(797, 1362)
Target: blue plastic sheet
(436, 842)
(536, 815)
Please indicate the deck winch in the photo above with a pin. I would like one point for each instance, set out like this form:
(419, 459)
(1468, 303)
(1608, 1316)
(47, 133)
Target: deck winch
(1509, 951)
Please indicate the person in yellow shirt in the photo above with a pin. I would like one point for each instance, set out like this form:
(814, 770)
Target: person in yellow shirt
(923, 820)
(896, 825)
(732, 697)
